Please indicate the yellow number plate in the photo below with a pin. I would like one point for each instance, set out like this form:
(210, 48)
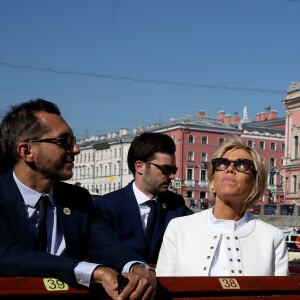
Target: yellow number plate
(53, 284)
(229, 283)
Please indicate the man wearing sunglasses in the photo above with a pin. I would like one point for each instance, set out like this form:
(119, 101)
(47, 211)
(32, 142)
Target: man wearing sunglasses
(228, 240)
(46, 226)
(140, 212)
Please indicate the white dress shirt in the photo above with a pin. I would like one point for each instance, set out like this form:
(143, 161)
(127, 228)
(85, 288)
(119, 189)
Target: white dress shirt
(141, 199)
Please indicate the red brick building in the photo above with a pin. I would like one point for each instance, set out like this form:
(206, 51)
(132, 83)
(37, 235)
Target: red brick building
(197, 138)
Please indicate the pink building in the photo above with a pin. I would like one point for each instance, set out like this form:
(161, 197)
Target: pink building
(291, 159)
(197, 138)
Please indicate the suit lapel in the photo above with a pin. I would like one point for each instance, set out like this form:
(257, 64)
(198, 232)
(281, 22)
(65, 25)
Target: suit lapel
(134, 211)
(66, 216)
(160, 223)
(13, 206)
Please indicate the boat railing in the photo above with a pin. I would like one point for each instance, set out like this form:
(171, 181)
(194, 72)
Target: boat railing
(177, 288)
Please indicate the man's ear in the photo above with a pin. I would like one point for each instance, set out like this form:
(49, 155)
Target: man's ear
(139, 167)
(25, 151)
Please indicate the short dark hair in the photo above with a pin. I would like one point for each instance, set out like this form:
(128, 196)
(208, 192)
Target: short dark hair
(20, 124)
(146, 145)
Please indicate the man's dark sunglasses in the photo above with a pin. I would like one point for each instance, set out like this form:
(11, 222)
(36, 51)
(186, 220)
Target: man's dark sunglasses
(66, 142)
(241, 164)
(167, 170)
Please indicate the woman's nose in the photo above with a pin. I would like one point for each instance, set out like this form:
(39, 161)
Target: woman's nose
(231, 167)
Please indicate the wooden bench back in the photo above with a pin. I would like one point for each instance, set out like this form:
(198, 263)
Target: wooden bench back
(177, 288)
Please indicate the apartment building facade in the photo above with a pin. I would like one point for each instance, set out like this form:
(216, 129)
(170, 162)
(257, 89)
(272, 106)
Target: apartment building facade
(197, 138)
(101, 167)
(291, 160)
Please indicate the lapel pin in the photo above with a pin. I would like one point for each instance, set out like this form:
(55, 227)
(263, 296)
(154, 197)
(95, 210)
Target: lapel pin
(67, 211)
(164, 205)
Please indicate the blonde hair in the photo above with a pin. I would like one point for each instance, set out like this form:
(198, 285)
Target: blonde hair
(260, 172)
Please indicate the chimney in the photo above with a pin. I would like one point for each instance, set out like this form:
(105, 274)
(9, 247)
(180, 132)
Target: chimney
(220, 115)
(272, 114)
(227, 119)
(201, 113)
(235, 118)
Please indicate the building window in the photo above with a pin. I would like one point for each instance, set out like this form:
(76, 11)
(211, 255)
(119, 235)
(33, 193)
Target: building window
(204, 140)
(204, 157)
(190, 156)
(261, 145)
(273, 146)
(250, 143)
(221, 141)
(296, 141)
(294, 184)
(174, 137)
(272, 162)
(191, 139)
(190, 174)
(272, 178)
(203, 173)
(283, 147)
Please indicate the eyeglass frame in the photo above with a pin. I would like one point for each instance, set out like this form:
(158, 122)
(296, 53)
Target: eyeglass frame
(162, 168)
(60, 141)
(235, 162)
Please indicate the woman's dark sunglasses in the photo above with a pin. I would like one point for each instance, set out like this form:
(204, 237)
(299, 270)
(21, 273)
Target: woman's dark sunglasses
(66, 142)
(241, 164)
(167, 170)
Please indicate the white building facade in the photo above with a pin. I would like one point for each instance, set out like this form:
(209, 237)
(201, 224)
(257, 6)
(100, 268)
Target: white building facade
(101, 167)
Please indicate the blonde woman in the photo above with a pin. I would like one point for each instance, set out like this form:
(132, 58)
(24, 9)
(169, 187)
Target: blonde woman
(226, 240)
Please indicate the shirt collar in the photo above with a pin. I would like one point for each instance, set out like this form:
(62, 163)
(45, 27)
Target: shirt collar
(140, 196)
(30, 196)
(226, 225)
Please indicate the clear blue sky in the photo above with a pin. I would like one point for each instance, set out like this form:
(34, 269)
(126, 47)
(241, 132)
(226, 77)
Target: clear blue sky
(118, 64)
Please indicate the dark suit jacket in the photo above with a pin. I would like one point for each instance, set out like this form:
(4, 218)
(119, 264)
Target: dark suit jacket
(121, 212)
(86, 237)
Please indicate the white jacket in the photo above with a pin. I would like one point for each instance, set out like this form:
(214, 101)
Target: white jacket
(189, 246)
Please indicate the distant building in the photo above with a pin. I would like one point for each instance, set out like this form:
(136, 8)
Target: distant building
(291, 158)
(101, 167)
(197, 138)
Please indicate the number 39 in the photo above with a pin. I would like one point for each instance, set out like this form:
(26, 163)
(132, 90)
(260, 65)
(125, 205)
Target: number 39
(53, 284)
